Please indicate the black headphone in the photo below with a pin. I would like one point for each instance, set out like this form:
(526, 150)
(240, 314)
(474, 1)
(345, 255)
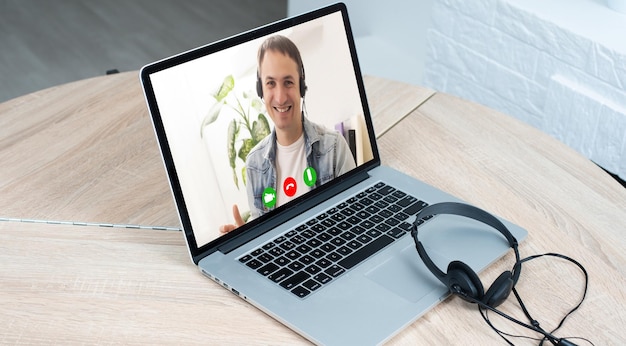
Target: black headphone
(259, 85)
(460, 279)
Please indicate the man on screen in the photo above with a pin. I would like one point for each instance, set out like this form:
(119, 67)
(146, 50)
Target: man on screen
(298, 155)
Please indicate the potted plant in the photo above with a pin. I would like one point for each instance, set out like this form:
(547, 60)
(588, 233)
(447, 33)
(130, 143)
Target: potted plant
(245, 130)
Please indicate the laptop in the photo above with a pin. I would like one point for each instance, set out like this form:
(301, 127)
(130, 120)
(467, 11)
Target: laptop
(325, 251)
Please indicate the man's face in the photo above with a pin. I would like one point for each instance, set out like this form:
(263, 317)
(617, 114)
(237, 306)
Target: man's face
(281, 91)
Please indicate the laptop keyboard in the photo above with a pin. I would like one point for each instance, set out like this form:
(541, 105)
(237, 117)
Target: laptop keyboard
(316, 252)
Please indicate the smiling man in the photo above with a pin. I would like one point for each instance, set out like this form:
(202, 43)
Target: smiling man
(298, 155)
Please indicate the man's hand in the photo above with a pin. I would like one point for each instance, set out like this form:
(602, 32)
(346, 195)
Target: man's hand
(238, 221)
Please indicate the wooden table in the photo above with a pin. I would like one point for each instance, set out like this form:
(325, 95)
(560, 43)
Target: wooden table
(90, 254)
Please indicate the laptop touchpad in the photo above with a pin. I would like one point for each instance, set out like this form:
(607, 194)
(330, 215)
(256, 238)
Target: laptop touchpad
(405, 275)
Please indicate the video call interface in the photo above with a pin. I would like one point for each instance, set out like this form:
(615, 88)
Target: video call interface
(214, 116)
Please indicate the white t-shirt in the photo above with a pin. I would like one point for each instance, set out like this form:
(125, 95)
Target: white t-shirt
(290, 166)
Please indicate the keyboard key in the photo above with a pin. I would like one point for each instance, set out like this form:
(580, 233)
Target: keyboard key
(374, 233)
(245, 258)
(375, 196)
(280, 274)
(380, 204)
(337, 241)
(303, 248)
(334, 231)
(401, 216)
(307, 259)
(373, 209)
(323, 263)
(318, 228)
(407, 201)
(385, 190)
(334, 271)
(394, 208)
(293, 255)
(254, 264)
(344, 225)
(357, 230)
(308, 234)
(398, 194)
(334, 256)
(405, 226)
(311, 285)
(385, 214)
(344, 250)
(295, 280)
(366, 201)
(390, 199)
(300, 291)
(396, 233)
(314, 243)
(367, 224)
(348, 235)
(375, 219)
(313, 269)
(296, 266)
(347, 212)
(282, 261)
(383, 227)
(363, 215)
(416, 207)
(267, 269)
(276, 251)
(353, 220)
(364, 238)
(287, 245)
(298, 239)
(392, 221)
(328, 223)
(324, 237)
(357, 206)
(328, 247)
(354, 245)
(365, 252)
(265, 257)
(317, 253)
(322, 278)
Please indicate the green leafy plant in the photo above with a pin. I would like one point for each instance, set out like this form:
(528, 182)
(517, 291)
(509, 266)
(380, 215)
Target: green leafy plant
(246, 105)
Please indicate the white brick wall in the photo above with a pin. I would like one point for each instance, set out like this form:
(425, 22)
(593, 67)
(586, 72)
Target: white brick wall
(559, 65)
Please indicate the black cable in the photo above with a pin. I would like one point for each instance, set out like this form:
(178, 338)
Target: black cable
(534, 324)
(584, 271)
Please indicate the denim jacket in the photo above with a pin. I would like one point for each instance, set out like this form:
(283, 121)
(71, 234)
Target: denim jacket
(326, 151)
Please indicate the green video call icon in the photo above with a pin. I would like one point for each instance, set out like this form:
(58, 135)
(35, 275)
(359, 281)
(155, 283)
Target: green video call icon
(309, 176)
(269, 197)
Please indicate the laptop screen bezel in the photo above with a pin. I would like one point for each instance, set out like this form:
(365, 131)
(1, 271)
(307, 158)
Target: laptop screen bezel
(256, 227)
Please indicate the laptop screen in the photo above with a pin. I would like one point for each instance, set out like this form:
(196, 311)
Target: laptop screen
(251, 125)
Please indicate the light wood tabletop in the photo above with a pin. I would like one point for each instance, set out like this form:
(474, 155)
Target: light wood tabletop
(85, 153)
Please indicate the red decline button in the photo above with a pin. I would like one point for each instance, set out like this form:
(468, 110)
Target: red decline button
(290, 186)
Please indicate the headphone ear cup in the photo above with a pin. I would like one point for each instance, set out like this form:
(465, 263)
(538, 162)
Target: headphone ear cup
(499, 290)
(302, 87)
(464, 281)
(259, 87)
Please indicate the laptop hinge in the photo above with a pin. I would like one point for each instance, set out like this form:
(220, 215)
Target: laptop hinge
(292, 212)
